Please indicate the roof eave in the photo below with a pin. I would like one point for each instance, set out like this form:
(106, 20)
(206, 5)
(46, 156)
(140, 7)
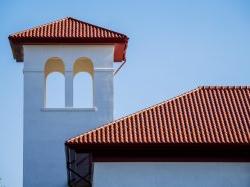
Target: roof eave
(152, 146)
(17, 44)
(17, 50)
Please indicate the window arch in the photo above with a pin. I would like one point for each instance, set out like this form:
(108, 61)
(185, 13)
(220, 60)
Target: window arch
(83, 83)
(54, 83)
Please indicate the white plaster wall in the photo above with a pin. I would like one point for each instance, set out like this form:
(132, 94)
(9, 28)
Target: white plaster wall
(45, 130)
(35, 56)
(166, 174)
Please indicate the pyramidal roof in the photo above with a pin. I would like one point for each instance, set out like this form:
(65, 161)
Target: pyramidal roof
(68, 28)
(68, 31)
(206, 115)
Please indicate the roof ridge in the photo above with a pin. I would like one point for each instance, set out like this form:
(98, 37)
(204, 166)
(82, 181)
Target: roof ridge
(225, 87)
(134, 113)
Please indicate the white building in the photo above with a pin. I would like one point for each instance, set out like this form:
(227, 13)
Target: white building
(198, 139)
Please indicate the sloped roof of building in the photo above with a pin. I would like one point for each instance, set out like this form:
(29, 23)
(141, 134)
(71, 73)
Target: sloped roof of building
(206, 115)
(68, 31)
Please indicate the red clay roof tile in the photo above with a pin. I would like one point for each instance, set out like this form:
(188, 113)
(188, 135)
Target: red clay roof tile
(206, 115)
(69, 30)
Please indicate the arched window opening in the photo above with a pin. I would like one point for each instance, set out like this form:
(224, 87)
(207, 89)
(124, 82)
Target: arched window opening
(55, 83)
(83, 90)
(83, 83)
(55, 90)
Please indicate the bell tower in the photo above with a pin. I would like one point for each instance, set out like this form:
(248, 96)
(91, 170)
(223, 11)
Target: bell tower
(67, 46)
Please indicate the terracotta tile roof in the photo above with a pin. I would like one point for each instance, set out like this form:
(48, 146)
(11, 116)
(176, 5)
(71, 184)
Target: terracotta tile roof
(69, 30)
(206, 115)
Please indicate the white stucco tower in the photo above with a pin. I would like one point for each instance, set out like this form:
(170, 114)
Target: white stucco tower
(68, 46)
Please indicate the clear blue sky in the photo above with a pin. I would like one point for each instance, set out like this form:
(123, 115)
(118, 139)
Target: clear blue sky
(174, 46)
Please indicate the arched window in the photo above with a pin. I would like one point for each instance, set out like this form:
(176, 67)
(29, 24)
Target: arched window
(83, 83)
(55, 90)
(83, 90)
(55, 83)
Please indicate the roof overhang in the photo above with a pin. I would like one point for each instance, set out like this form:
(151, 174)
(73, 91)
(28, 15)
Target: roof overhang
(175, 147)
(18, 43)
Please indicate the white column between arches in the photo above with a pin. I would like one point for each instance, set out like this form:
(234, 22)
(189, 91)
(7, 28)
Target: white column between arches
(69, 88)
